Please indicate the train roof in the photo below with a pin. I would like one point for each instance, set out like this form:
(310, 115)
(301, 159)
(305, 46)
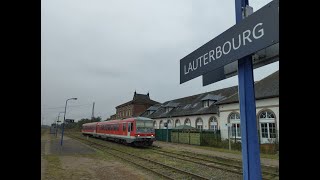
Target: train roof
(88, 124)
(128, 119)
(143, 119)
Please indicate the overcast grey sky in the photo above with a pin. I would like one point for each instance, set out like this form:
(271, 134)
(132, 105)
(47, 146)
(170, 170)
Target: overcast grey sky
(103, 50)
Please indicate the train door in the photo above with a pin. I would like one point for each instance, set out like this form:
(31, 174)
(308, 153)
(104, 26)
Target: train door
(129, 128)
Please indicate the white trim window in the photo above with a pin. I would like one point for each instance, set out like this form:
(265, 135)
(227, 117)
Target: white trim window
(234, 119)
(187, 122)
(207, 103)
(168, 109)
(213, 124)
(155, 124)
(161, 125)
(199, 124)
(169, 124)
(177, 123)
(267, 127)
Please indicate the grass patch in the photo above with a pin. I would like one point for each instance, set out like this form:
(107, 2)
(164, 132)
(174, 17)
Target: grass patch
(53, 169)
(262, 155)
(43, 131)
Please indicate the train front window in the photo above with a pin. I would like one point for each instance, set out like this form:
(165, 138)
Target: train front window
(144, 126)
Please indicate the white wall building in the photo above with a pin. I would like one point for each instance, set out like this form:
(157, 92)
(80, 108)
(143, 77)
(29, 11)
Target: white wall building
(218, 110)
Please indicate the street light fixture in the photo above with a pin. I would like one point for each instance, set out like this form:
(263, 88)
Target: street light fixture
(64, 117)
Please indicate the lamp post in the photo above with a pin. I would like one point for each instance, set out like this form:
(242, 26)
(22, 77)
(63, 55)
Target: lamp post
(57, 123)
(64, 117)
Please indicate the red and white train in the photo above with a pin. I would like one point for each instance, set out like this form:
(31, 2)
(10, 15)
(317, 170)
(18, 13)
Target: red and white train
(138, 131)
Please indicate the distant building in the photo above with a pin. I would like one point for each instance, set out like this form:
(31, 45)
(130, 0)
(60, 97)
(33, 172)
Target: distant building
(139, 104)
(111, 117)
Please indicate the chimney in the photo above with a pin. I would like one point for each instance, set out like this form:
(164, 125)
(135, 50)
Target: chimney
(135, 93)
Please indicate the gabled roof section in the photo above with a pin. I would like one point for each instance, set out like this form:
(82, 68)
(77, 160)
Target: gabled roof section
(154, 107)
(265, 88)
(212, 97)
(139, 99)
(171, 104)
(191, 105)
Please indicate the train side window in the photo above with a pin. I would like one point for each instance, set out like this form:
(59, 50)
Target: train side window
(124, 127)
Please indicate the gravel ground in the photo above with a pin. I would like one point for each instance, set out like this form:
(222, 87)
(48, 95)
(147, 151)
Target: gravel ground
(69, 147)
(79, 161)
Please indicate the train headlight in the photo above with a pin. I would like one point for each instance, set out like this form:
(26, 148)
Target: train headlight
(138, 135)
(151, 134)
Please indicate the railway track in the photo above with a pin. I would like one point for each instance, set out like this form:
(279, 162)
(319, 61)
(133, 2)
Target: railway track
(209, 163)
(212, 163)
(265, 168)
(160, 169)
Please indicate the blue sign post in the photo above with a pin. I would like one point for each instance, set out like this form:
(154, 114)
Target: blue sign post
(250, 34)
(251, 166)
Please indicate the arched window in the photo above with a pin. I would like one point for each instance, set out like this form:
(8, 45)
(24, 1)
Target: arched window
(169, 124)
(267, 126)
(161, 125)
(213, 123)
(234, 120)
(187, 122)
(199, 123)
(155, 124)
(177, 123)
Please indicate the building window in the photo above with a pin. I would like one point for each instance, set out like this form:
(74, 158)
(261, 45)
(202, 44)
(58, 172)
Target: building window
(267, 127)
(199, 124)
(151, 111)
(169, 124)
(177, 123)
(168, 109)
(234, 119)
(213, 124)
(187, 122)
(155, 124)
(161, 125)
(205, 103)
